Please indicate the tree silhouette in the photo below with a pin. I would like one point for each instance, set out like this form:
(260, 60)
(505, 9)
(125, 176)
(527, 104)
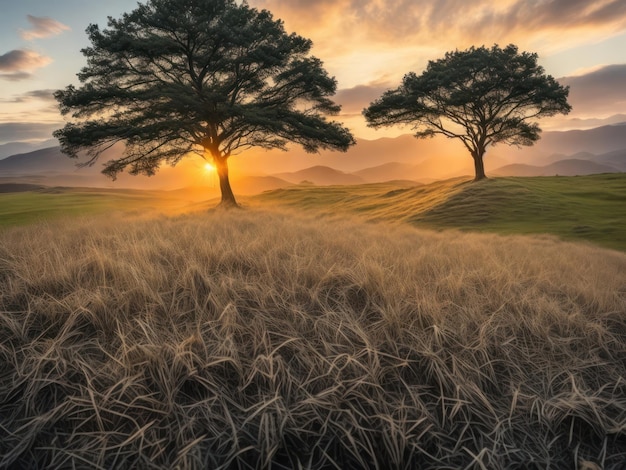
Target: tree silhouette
(210, 77)
(480, 96)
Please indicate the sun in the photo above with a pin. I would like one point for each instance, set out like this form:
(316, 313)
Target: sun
(209, 167)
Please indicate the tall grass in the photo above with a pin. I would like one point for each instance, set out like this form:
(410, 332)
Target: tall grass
(256, 339)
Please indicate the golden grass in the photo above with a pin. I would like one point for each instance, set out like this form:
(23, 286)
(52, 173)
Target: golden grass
(256, 339)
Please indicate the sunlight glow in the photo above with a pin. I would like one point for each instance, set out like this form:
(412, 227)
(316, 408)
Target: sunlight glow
(209, 167)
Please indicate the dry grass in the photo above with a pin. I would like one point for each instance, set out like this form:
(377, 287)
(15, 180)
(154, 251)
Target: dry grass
(263, 340)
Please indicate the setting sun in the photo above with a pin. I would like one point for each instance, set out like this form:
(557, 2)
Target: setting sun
(209, 167)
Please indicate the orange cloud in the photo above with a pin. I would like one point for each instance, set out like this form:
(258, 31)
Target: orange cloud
(426, 29)
(436, 21)
(368, 45)
(43, 27)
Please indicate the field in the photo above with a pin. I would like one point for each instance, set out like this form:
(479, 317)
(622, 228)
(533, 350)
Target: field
(575, 208)
(261, 338)
(48, 203)
(580, 208)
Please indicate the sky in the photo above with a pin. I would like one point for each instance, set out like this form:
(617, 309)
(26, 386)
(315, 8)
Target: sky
(367, 45)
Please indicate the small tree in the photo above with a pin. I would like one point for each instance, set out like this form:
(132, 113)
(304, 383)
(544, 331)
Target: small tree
(480, 96)
(205, 76)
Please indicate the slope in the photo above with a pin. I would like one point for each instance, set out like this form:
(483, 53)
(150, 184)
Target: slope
(578, 208)
(566, 167)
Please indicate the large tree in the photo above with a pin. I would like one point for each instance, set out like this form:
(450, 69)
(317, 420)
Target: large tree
(211, 77)
(481, 96)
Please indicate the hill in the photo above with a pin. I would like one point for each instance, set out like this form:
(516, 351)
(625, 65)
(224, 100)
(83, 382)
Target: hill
(320, 175)
(379, 160)
(257, 184)
(43, 161)
(566, 167)
(50, 167)
(595, 141)
(615, 159)
(15, 148)
(386, 172)
(580, 208)
(598, 140)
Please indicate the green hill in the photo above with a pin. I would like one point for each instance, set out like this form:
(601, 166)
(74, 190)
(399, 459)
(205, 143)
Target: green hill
(577, 208)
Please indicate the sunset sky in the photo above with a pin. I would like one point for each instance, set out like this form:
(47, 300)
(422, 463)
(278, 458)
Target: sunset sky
(368, 45)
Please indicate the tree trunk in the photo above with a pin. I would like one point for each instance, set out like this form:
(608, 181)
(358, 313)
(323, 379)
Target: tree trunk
(479, 167)
(228, 198)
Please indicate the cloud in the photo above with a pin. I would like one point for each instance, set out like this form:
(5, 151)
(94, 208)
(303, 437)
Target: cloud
(22, 59)
(13, 64)
(15, 77)
(43, 27)
(448, 24)
(353, 100)
(26, 131)
(40, 95)
(599, 92)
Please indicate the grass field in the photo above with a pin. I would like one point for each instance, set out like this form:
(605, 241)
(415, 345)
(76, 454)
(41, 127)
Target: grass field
(254, 339)
(262, 338)
(25, 207)
(579, 208)
(589, 208)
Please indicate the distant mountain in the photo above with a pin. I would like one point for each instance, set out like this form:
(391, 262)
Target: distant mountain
(391, 171)
(578, 123)
(14, 148)
(257, 184)
(518, 169)
(427, 170)
(573, 167)
(554, 145)
(615, 159)
(45, 161)
(569, 167)
(598, 140)
(385, 159)
(52, 168)
(320, 175)
(365, 154)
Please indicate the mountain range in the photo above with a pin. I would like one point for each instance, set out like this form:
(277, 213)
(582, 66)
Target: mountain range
(599, 150)
(14, 148)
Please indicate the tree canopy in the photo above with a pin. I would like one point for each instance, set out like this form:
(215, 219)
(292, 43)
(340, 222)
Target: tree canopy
(210, 77)
(481, 96)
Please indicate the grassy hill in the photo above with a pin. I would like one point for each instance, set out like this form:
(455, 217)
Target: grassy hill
(580, 208)
(577, 208)
(259, 339)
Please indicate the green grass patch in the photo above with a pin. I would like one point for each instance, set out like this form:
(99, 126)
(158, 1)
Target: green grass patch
(588, 208)
(21, 208)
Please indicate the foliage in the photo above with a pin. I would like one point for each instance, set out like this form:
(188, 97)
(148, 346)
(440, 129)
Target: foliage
(481, 96)
(205, 76)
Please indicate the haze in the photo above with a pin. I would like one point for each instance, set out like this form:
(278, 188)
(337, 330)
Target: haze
(367, 45)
